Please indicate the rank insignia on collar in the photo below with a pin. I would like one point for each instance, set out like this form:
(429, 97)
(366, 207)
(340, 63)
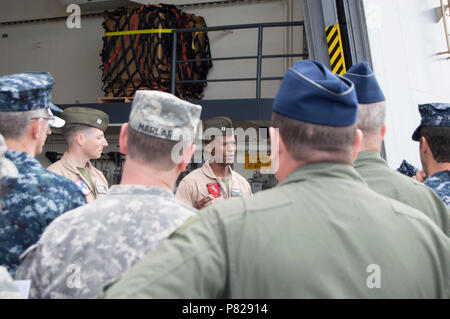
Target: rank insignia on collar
(214, 189)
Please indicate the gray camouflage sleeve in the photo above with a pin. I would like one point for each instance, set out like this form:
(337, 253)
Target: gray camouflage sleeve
(27, 270)
(192, 263)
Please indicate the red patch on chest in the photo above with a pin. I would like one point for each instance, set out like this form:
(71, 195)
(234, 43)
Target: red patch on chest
(213, 189)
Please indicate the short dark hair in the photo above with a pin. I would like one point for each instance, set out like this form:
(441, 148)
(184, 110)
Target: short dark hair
(438, 138)
(69, 132)
(150, 149)
(315, 142)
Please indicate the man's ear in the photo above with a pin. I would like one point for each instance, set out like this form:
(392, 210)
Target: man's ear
(357, 145)
(79, 139)
(424, 147)
(210, 147)
(276, 147)
(188, 152)
(123, 139)
(383, 132)
(35, 128)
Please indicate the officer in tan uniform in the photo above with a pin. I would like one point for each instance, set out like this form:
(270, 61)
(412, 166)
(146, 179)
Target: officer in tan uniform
(215, 180)
(84, 135)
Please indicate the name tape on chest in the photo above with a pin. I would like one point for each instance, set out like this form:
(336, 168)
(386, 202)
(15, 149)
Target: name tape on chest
(101, 189)
(236, 192)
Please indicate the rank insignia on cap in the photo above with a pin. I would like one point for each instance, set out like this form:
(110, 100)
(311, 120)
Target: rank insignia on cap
(99, 121)
(214, 189)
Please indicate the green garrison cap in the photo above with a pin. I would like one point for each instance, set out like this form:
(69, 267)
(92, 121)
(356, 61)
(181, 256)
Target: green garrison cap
(86, 116)
(221, 123)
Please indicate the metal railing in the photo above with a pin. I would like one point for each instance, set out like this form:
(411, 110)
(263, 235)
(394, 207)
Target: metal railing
(259, 57)
(445, 17)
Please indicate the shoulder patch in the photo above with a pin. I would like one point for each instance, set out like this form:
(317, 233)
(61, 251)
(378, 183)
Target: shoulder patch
(213, 189)
(83, 187)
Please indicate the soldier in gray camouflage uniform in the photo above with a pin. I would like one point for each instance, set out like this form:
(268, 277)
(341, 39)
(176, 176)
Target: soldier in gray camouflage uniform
(434, 136)
(91, 246)
(7, 169)
(30, 202)
(7, 288)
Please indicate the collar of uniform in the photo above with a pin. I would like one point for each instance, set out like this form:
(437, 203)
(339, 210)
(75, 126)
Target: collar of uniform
(70, 165)
(140, 190)
(442, 176)
(313, 171)
(368, 157)
(209, 172)
(21, 158)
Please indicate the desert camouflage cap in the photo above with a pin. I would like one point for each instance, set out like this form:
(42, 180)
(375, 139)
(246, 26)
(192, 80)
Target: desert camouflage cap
(164, 115)
(7, 168)
(26, 91)
(433, 114)
(86, 116)
(407, 169)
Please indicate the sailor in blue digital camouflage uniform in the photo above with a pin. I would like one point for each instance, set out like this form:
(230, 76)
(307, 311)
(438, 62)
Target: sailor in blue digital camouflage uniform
(7, 169)
(433, 134)
(30, 202)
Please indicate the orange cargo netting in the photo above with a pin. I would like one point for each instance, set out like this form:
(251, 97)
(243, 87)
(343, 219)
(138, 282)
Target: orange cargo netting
(143, 61)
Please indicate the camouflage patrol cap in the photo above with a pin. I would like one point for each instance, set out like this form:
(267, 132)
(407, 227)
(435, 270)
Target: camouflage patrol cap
(224, 124)
(433, 114)
(86, 116)
(26, 91)
(164, 115)
(7, 168)
(407, 169)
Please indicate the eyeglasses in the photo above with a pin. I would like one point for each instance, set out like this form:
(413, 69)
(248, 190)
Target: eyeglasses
(51, 119)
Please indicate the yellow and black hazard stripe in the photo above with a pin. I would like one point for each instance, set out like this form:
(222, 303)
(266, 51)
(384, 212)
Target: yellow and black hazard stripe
(335, 50)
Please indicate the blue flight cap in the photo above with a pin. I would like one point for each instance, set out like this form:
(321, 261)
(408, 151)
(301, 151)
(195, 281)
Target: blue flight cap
(311, 93)
(367, 88)
(433, 114)
(26, 91)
